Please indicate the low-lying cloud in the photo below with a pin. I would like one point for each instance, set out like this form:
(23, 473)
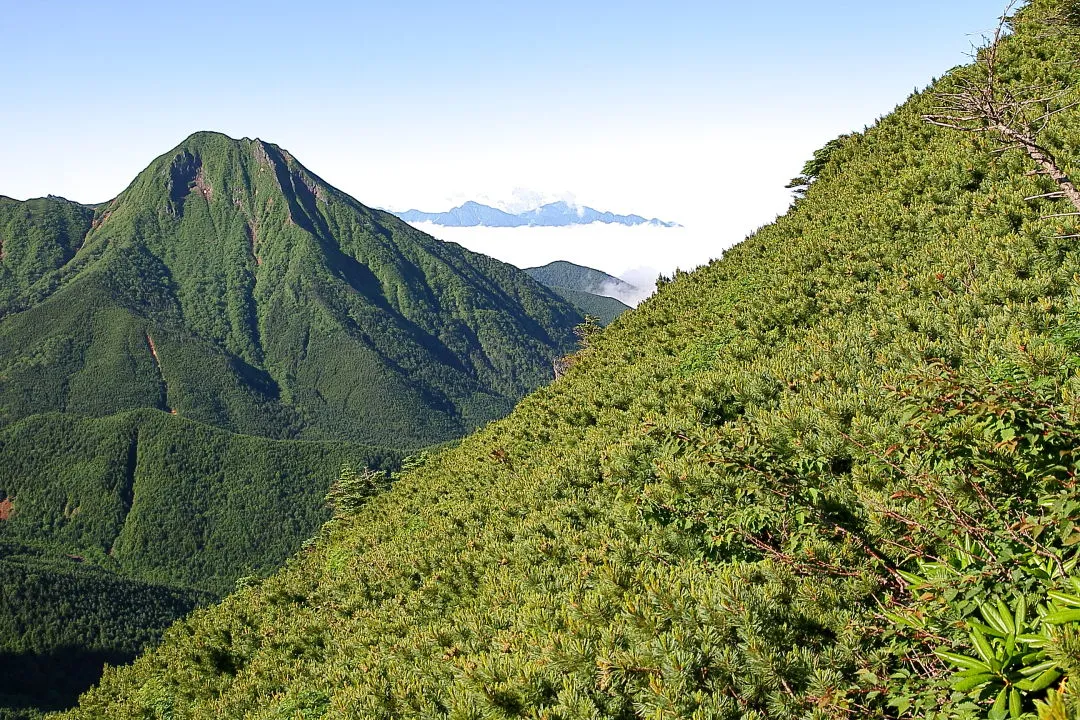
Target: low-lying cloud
(642, 278)
(636, 254)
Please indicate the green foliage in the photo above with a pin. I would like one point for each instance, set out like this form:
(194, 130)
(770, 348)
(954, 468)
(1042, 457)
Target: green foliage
(37, 237)
(115, 527)
(568, 276)
(779, 488)
(61, 618)
(165, 499)
(352, 489)
(604, 309)
(815, 166)
(184, 369)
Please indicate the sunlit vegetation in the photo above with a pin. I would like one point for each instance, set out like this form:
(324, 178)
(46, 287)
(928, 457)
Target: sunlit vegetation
(832, 474)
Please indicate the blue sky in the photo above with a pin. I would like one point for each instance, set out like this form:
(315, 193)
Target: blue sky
(684, 110)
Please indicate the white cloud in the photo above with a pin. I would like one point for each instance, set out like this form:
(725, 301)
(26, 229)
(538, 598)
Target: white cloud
(642, 278)
(637, 254)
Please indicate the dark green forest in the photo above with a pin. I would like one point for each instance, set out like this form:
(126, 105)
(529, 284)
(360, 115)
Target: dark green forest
(832, 474)
(62, 618)
(604, 309)
(568, 275)
(185, 370)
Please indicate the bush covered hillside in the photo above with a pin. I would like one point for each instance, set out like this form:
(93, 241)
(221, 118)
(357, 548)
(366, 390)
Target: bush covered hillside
(832, 474)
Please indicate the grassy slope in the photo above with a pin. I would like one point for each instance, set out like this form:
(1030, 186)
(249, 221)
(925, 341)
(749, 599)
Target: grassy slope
(596, 554)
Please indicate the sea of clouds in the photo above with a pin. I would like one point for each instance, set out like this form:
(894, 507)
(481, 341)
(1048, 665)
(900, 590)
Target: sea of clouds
(637, 254)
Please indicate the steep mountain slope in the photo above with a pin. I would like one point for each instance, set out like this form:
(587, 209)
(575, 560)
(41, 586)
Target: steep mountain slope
(37, 237)
(604, 309)
(774, 490)
(571, 276)
(233, 286)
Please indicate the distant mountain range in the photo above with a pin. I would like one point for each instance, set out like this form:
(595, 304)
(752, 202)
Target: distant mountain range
(556, 214)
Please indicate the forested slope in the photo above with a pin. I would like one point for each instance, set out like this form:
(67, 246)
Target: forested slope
(185, 369)
(818, 478)
(166, 499)
(604, 309)
(563, 274)
(231, 285)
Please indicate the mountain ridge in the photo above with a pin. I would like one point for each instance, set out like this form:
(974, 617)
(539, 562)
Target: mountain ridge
(593, 291)
(565, 274)
(239, 315)
(555, 214)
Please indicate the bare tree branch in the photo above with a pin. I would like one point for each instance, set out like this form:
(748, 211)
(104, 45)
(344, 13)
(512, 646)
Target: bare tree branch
(986, 106)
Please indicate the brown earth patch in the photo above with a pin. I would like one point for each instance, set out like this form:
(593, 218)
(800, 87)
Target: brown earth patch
(7, 507)
(100, 220)
(204, 187)
(253, 241)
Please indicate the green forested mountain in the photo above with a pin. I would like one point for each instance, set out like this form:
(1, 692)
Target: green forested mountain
(233, 286)
(831, 475)
(604, 309)
(37, 237)
(184, 371)
(591, 291)
(563, 274)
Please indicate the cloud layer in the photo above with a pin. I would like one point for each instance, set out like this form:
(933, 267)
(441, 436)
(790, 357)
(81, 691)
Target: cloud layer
(635, 254)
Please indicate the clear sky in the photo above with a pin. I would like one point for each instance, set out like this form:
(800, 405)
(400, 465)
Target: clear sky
(691, 111)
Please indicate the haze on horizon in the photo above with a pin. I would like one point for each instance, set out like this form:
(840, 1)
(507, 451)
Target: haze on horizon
(697, 112)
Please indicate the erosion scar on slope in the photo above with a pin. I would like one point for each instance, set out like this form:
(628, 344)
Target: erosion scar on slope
(253, 240)
(157, 364)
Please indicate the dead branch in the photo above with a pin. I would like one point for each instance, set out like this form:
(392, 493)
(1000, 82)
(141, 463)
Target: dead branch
(985, 105)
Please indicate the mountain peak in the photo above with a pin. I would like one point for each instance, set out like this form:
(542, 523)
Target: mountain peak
(229, 242)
